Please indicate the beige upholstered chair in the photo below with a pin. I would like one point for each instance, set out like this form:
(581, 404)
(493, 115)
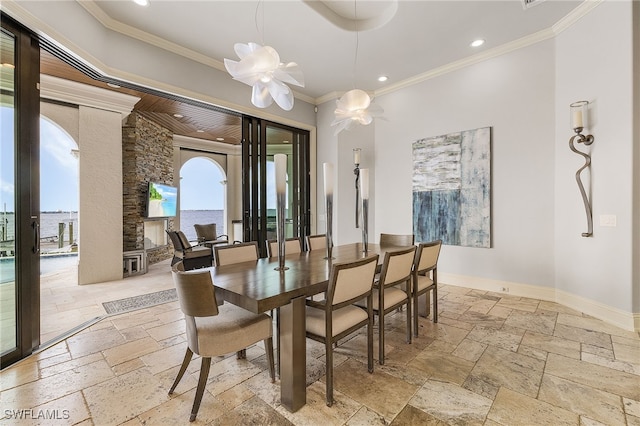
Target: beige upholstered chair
(316, 242)
(396, 270)
(402, 240)
(425, 277)
(291, 245)
(208, 236)
(214, 330)
(191, 256)
(235, 253)
(336, 316)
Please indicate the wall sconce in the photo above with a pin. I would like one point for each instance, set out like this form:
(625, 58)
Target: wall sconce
(356, 171)
(578, 123)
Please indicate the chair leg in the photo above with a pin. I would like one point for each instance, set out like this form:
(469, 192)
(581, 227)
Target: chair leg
(409, 318)
(183, 368)
(202, 381)
(415, 314)
(435, 304)
(241, 354)
(381, 337)
(277, 339)
(370, 340)
(268, 347)
(329, 355)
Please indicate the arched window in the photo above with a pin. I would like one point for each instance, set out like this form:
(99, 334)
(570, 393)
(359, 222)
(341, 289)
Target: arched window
(202, 195)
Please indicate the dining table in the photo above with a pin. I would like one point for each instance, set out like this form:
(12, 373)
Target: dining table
(259, 286)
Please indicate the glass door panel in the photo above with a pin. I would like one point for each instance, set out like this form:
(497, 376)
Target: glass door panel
(8, 312)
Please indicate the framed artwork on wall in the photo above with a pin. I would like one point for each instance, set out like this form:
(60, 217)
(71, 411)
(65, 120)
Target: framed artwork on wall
(452, 188)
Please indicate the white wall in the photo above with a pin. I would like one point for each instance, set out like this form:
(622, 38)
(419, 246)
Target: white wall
(594, 62)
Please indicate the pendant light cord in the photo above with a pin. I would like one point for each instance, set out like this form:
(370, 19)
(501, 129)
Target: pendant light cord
(260, 33)
(355, 59)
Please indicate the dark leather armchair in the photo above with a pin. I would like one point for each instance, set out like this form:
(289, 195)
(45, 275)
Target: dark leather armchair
(208, 236)
(192, 257)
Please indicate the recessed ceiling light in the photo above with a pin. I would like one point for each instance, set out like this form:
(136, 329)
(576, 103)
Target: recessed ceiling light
(220, 139)
(383, 78)
(200, 131)
(115, 86)
(178, 115)
(476, 43)
(141, 2)
(285, 141)
(8, 65)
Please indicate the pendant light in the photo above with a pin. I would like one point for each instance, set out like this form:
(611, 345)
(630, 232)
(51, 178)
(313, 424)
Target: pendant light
(260, 68)
(355, 106)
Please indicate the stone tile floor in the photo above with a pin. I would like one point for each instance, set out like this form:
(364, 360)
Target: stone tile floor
(492, 359)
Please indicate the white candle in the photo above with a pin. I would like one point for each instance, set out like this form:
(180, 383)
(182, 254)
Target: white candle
(281, 172)
(356, 156)
(577, 119)
(364, 183)
(328, 179)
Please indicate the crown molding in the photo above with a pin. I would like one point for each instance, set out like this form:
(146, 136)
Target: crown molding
(575, 15)
(58, 89)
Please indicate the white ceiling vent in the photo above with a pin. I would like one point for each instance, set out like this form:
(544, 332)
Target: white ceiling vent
(530, 3)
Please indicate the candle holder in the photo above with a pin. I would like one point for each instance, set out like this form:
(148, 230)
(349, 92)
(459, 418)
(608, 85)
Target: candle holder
(356, 171)
(327, 169)
(364, 189)
(281, 199)
(578, 123)
(329, 234)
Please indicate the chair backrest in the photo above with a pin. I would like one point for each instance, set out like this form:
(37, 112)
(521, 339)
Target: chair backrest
(351, 281)
(397, 239)
(397, 266)
(179, 240)
(291, 245)
(206, 232)
(316, 242)
(196, 293)
(427, 256)
(235, 253)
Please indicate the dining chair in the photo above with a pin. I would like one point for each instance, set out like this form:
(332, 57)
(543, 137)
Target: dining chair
(316, 242)
(425, 277)
(291, 245)
(336, 317)
(397, 239)
(235, 253)
(191, 256)
(396, 270)
(214, 330)
(208, 236)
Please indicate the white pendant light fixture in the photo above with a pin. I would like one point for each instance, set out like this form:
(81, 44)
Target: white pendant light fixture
(260, 68)
(355, 106)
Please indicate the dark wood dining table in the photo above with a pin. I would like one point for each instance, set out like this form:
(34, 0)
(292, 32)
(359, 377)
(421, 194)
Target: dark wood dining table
(258, 287)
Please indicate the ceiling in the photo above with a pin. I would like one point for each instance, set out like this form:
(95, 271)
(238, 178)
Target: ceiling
(399, 39)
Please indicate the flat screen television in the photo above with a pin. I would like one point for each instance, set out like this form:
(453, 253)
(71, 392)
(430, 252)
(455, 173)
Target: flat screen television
(162, 200)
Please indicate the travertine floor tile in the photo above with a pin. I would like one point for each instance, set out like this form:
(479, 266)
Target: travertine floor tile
(542, 322)
(410, 415)
(582, 335)
(451, 404)
(442, 366)
(510, 405)
(584, 400)
(495, 337)
(596, 376)
(557, 345)
(254, 411)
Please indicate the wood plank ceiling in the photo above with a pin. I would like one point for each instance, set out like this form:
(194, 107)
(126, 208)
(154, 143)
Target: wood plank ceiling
(179, 117)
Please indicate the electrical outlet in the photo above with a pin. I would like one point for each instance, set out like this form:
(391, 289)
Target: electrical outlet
(504, 289)
(608, 220)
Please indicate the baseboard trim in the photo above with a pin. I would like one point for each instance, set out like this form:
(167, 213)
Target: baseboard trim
(625, 320)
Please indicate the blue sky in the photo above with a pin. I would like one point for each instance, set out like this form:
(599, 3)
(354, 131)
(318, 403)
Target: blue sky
(200, 185)
(58, 166)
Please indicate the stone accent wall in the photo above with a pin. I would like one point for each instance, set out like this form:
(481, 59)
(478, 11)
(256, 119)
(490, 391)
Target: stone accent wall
(147, 155)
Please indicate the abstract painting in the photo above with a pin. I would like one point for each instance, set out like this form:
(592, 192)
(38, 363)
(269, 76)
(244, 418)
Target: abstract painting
(452, 188)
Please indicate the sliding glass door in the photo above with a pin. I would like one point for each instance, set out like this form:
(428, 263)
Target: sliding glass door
(261, 141)
(19, 200)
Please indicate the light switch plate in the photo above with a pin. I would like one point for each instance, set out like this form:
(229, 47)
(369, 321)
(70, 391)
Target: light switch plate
(608, 220)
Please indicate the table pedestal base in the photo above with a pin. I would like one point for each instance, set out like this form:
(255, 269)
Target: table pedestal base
(293, 355)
